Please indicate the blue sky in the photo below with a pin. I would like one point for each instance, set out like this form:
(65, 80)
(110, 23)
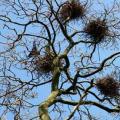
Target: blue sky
(44, 91)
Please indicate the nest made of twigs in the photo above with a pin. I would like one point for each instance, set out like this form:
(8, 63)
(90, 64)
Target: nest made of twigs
(97, 30)
(108, 86)
(44, 64)
(72, 10)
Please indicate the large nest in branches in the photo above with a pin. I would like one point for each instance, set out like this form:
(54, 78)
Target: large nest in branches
(72, 10)
(97, 30)
(108, 86)
(44, 64)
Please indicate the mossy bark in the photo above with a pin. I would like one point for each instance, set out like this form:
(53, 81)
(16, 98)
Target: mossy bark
(43, 108)
(56, 75)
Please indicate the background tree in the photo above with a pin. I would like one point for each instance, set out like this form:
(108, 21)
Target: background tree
(68, 50)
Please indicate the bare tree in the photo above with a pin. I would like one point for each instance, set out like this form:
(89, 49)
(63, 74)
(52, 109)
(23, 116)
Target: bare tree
(69, 49)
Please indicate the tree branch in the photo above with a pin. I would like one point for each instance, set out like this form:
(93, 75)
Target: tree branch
(89, 103)
(43, 108)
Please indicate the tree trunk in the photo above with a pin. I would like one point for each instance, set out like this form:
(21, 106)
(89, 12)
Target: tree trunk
(43, 108)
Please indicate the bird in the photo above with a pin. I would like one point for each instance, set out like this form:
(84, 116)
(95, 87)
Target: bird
(34, 52)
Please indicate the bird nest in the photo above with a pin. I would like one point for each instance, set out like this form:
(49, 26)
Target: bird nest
(97, 30)
(72, 10)
(108, 86)
(44, 64)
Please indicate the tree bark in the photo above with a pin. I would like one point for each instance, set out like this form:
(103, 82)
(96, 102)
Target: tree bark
(43, 108)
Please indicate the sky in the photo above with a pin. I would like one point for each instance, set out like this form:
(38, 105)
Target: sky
(44, 91)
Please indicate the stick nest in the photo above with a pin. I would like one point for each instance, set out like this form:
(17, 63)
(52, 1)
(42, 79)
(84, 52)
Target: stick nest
(97, 30)
(44, 64)
(72, 10)
(108, 86)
